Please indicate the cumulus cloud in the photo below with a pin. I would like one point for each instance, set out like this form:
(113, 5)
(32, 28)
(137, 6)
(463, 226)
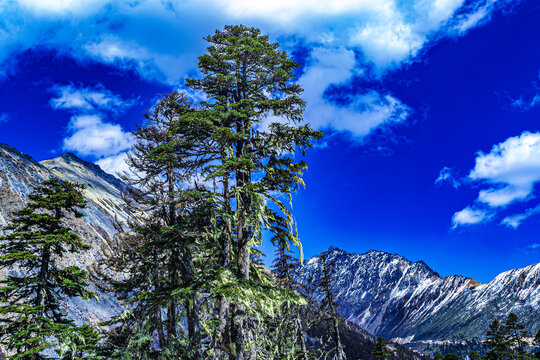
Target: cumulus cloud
(161, 39)
(507, 175)
(510, 170)
(91, 136)
(363, 112)
(470, 216)
(115, 164)
(87, 99)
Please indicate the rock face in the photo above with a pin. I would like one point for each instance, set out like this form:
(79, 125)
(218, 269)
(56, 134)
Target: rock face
(393, 297)
(19, 173)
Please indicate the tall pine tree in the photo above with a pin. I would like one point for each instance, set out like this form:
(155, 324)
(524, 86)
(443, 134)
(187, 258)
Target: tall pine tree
(249, 82)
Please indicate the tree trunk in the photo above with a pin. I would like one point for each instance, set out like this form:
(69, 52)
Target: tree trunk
(173, 261)
(43, 278)
(337, 339)
(220, 337)
(244, 237)
(159, 327)
(302, 340)
(171, 312)
(192, 308)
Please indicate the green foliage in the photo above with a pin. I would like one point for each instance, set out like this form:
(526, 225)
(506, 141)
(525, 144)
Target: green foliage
(381, 351)
(450, 357)
(506, 341)
(31, 318)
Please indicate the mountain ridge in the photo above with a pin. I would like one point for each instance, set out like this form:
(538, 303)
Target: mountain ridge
(391, 296)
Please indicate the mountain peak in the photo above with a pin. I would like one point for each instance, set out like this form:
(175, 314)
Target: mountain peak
(69, 156)
(17, 153)
(66, 161)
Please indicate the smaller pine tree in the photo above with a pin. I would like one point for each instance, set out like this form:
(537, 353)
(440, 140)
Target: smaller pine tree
(381, 351)
(290, 330)
(516, 332)
(497, 342)
(37, 237)
(321, 283)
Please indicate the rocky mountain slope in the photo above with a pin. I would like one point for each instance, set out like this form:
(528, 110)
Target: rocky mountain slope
(19, 173)
(391, 296)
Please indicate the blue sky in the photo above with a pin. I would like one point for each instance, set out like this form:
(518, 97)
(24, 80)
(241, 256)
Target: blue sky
(430, 109)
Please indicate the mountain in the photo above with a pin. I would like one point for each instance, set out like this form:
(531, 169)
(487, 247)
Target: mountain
(19, 173)
(393, 297)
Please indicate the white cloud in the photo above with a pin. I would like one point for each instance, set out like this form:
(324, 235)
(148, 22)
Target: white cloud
(511, 169)
(60, 7)
(507, 175)
(504, 196)
(91, 136)
(386, 31)
(534, 246)
(161, 40)
(477, 14)
(154, 34)
(522, 104)
(364, 112)
(114, 164)
(87, 99)
(470, 216)
(447, 175)
(129, 54)
(514, 221)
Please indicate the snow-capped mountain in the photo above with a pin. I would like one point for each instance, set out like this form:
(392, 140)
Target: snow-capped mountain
(19, 173)
(391, 296)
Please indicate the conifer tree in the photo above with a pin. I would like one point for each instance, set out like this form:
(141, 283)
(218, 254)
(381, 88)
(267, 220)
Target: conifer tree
(515, 332)
(290, 337)
(497, 342)
(248, 82)
(381, 351)
(32, 321)
(321, 282)
(164, 164)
